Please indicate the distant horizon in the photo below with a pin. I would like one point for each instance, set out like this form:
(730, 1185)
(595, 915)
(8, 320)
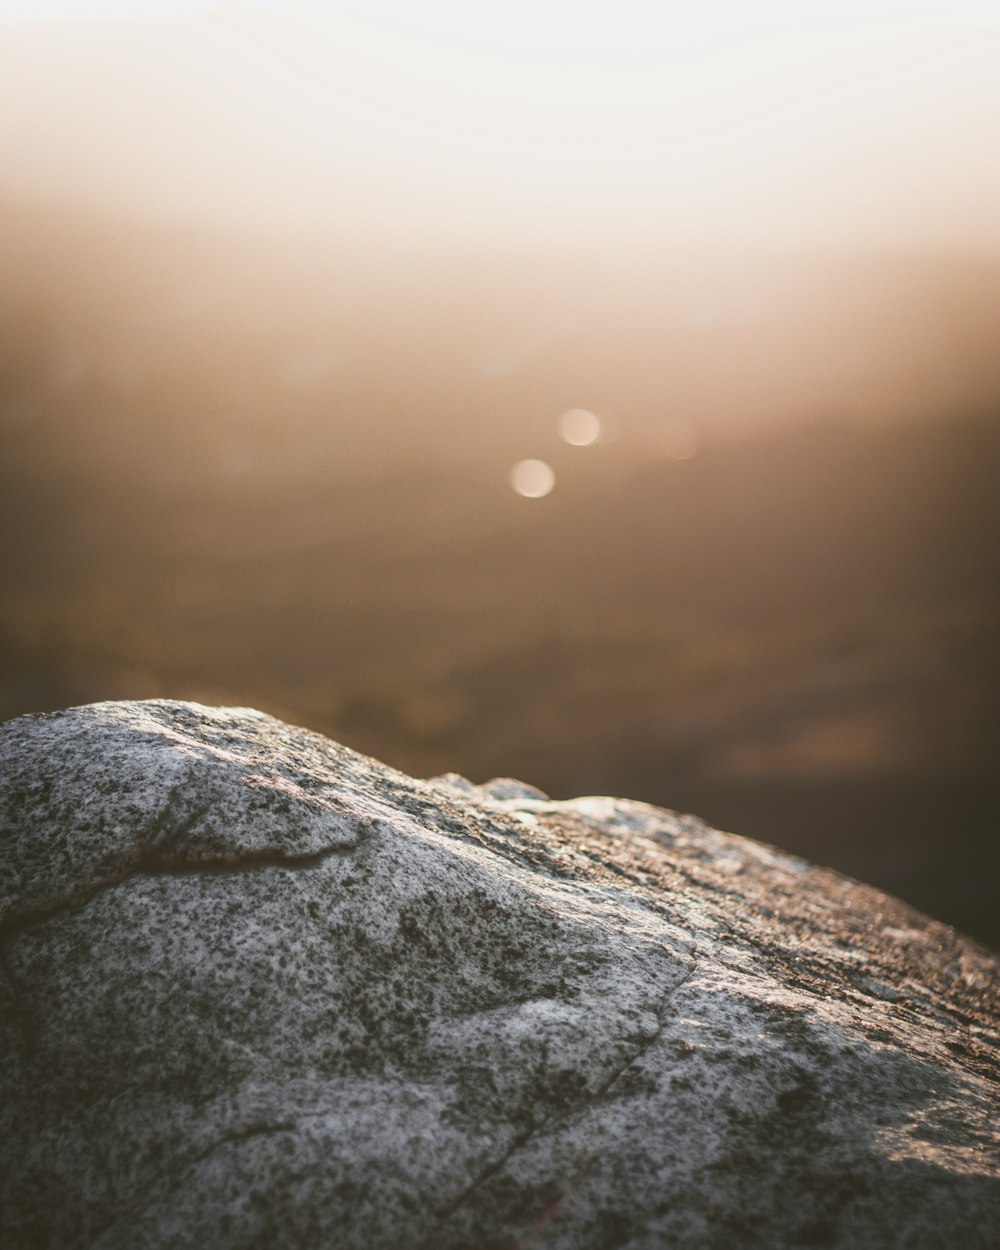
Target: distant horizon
(452, 344)
(420, 236)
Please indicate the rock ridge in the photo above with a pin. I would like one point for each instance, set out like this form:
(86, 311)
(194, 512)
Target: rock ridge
(260, 990)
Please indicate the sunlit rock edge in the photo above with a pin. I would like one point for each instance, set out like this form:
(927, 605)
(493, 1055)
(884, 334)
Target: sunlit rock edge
(260, 990)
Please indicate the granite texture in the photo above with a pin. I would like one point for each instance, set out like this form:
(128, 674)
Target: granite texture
(261, 991)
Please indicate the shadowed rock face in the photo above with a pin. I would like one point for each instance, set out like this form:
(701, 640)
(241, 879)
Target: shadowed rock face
(261, 991)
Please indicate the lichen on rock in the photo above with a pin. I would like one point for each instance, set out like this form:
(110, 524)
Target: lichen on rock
(260, 990)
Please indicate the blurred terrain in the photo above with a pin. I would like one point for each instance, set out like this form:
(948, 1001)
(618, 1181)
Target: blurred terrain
(278, 475)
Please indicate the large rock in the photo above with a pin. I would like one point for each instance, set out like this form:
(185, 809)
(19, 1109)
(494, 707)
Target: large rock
(261, 991)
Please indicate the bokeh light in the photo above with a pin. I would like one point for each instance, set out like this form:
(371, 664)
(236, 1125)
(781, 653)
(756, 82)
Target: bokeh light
(579, 427)
(532, 478)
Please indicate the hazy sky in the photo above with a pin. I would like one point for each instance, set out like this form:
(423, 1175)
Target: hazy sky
(715, 14)
(859, 122)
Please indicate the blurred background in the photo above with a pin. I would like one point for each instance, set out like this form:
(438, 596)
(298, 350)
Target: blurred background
(603, 396)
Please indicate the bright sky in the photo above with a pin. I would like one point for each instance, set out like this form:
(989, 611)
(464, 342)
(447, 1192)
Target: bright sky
(854, 119)
(628, 30)
(455, 12)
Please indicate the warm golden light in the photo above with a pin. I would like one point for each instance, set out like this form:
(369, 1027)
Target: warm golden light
(287, 288)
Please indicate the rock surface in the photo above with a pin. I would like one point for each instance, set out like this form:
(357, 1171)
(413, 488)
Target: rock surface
(261, 991)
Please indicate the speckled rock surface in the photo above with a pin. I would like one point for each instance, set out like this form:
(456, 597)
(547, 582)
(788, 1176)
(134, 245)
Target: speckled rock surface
(261, 991)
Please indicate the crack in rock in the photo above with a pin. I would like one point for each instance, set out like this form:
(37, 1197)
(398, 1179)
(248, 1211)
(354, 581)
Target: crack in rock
(550, 1121)
(149, 861)
(227, 1139)
(146, 861)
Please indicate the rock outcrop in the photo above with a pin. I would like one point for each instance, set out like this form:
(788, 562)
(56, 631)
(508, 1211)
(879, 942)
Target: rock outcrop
(261, 991)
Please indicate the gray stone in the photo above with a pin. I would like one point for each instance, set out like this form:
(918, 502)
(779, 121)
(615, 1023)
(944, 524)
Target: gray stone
(261, 991)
